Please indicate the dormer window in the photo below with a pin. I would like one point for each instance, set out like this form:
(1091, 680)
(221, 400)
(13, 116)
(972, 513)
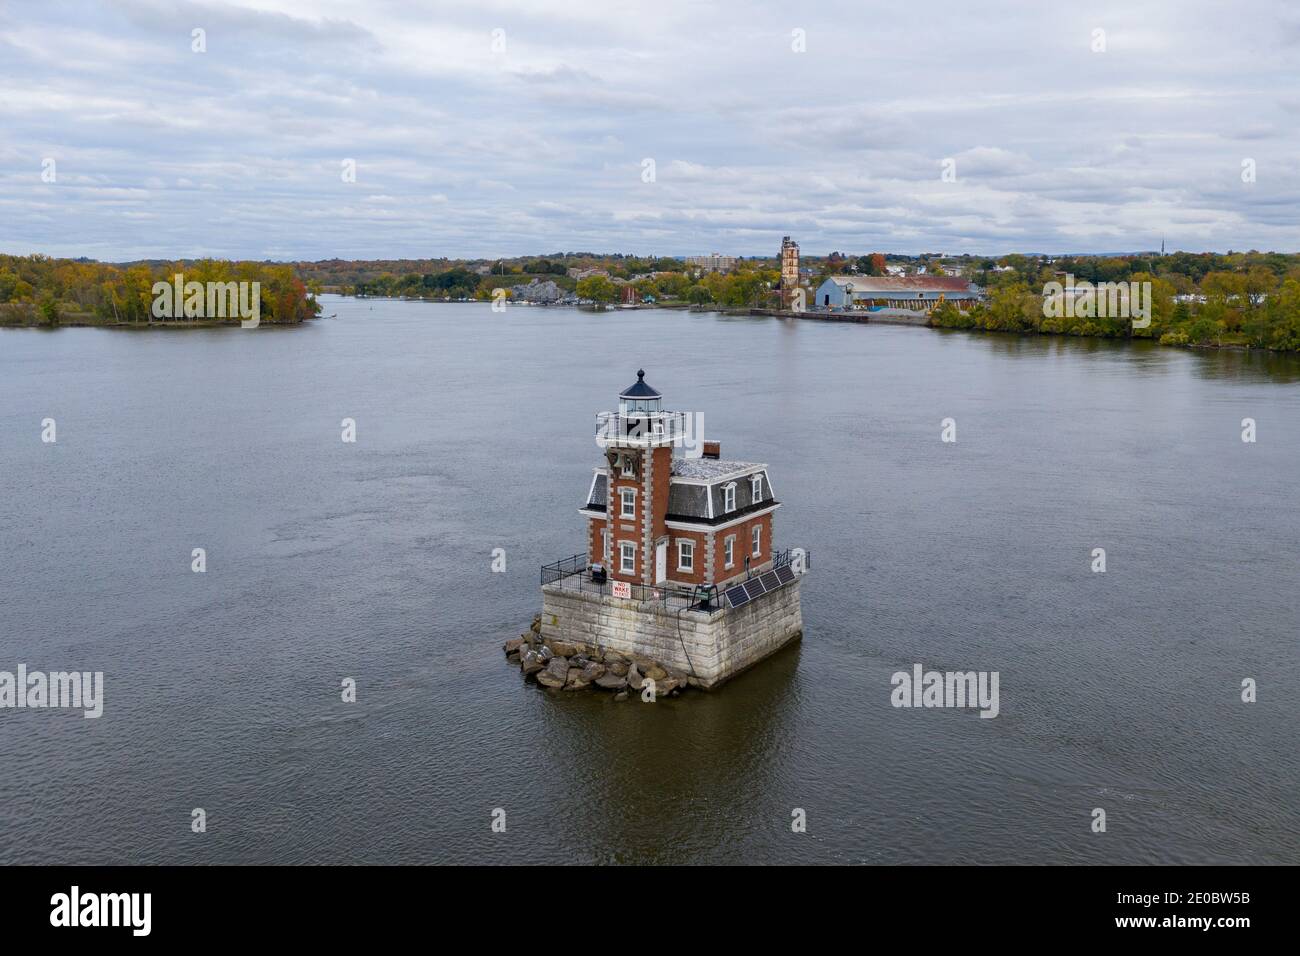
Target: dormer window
(628, 466)
(756, 488)
(729, 497)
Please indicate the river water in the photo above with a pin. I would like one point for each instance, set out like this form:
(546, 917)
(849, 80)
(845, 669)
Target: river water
(371, 560)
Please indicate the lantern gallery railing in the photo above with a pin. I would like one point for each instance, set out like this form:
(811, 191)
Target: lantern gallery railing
(647, 428)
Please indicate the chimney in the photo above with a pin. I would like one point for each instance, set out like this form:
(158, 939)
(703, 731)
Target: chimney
(712, 449)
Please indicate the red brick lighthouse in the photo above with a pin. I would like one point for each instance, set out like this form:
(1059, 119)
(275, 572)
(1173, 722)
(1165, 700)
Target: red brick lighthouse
(680, 562)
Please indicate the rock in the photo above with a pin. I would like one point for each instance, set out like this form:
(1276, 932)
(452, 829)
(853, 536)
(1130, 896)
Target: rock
(577, 680)
(541, 292)
(621, 695)
(666, 686)
(511, 646)
(513, 658)
(545, 653)
(611, 681)
(560, 648)
(614, 657)
(593, 671)
(530, 662)
(555, 673)
(617, 667)
(536, 626)
(655, 672)
(634, 678)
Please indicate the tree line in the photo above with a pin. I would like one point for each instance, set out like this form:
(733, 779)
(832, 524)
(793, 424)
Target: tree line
(41, 290)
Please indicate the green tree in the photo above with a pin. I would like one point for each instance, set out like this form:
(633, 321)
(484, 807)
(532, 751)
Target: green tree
(49, 309)
(597, 289)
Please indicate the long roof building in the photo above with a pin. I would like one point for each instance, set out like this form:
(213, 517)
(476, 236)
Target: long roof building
(898, 292)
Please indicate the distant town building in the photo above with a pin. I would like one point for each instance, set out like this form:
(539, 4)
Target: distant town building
(586, 273)
(714, 263)
(789, 271)
(917, 293)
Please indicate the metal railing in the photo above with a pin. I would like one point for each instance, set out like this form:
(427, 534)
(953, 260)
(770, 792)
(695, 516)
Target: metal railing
(639, 427)
(559, 570)
(574, 574)
(782, 558)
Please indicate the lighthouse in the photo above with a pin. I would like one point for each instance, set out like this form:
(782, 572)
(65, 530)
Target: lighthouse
(682, 563)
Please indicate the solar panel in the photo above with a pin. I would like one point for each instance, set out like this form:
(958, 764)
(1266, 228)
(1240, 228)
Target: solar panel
(785, 574)
(754, 588)
(770, 581)
(736, 596)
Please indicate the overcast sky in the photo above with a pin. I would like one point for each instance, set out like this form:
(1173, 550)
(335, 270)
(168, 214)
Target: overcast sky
(465, 149)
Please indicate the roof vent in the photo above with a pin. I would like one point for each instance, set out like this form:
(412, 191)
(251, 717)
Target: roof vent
(712, 449)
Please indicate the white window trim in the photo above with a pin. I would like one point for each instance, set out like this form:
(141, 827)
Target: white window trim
(627, 468)
(683, 562)
(623, 497)
(729, 497)
(756, 488)
(757, 537)
(626, 548)
(729, 551)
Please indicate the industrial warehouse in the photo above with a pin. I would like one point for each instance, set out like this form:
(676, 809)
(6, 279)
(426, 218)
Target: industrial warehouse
(916, 293)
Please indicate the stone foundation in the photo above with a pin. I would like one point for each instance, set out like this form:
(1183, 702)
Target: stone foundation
(710, 648)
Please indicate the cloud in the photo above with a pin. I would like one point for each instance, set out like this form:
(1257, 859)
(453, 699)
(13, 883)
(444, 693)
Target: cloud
(464, 147)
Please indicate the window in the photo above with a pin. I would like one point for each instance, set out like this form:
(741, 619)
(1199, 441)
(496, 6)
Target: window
(729, 551)
(627, 557)
(756, 487)
(758, 539)
(629, 466)
(729, 497)
(628, 496)
(685, 555)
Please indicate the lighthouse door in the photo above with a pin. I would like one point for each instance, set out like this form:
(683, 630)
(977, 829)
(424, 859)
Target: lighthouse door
(661, 561)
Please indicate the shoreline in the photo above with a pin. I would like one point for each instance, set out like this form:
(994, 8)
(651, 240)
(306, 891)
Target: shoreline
(920, 321)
